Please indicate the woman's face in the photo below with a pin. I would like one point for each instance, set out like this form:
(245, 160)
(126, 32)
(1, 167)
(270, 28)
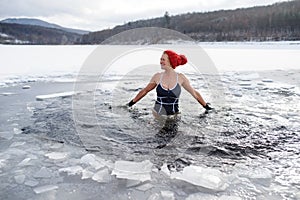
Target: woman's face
(164, 61)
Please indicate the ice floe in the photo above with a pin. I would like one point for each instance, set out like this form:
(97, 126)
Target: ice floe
(31, 183)
(267, 80)
(6, 135)
(248, 77)
(43, 173)
(57, 155)
(45, 188)
(25, 162)
(144, 187)
(15, 144)
(7, 93)
(86, 173)
(101, 170)
(102, 176)
(133, 170)
(165, 169)
(20, 178)
(164, 195)
(17, 131)
(208, 178)
(259, 175)
(54, 95)
(202, 196)
(154, 196)
(26, 87)
(2, 163)
(95, 161)
(167, 195)
(72, 170)
(297, 195)
(15, 152)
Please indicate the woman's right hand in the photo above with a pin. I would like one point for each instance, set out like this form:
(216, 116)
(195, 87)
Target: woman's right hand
(207, 106)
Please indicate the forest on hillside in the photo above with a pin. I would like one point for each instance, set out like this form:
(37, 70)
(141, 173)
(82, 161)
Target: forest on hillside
(280, 21)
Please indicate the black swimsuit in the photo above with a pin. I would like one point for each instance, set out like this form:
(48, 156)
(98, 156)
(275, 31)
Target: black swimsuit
(167, 99)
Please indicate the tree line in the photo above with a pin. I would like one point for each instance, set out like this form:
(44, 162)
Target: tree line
(280, 21)
(277, 22)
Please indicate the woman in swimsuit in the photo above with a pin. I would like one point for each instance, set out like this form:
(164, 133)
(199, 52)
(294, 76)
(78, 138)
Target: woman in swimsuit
(168, 86)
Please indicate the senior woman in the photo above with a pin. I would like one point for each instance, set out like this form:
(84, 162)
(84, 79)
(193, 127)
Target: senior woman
(168, 86)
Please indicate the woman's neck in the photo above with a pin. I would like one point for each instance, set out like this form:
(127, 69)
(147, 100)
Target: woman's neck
(169, 70)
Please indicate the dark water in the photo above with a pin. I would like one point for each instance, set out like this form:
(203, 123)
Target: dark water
(255, 123)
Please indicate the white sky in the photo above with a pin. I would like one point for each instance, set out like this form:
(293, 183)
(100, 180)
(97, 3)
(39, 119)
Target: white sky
(96, 15)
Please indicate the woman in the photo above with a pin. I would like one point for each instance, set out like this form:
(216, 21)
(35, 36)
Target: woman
(168, 86)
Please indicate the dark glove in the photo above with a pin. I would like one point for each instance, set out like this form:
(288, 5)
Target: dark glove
(131, 103)
(207, 106)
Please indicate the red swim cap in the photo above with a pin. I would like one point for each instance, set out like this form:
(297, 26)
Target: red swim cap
(175, 59)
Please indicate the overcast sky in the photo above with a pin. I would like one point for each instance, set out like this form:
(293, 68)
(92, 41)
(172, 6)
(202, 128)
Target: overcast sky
(100, 14)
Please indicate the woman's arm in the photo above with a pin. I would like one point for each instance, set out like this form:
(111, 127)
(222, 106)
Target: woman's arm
(144, 91)
(187, 86)
(151, 85)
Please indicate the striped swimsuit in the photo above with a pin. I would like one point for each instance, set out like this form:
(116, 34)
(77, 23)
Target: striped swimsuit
(167, 99)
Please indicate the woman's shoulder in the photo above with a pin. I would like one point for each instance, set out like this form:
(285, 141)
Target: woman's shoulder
(182, 78)
(158, 74)
(156, 77)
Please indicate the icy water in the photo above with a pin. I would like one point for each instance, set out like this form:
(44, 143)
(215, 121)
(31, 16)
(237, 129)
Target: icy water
(89, 145)
(247, 148)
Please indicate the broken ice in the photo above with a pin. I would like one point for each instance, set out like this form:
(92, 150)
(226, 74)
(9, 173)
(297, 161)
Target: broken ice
(133, 170)
(43, 173)
(205, 177)
(45, 188)
(54, 95)
(86, 173)
(56, 155)
(102, 176)
(260, 176)
(72, 170)
(95, 162)
(211, 197)
(20, 178)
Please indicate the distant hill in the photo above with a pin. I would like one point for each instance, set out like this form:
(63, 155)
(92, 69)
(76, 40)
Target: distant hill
(280, 21)
(38, 22)
(32, 34)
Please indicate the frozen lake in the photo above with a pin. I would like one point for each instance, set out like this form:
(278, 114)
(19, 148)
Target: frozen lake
(69, 135)
(32, 60)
